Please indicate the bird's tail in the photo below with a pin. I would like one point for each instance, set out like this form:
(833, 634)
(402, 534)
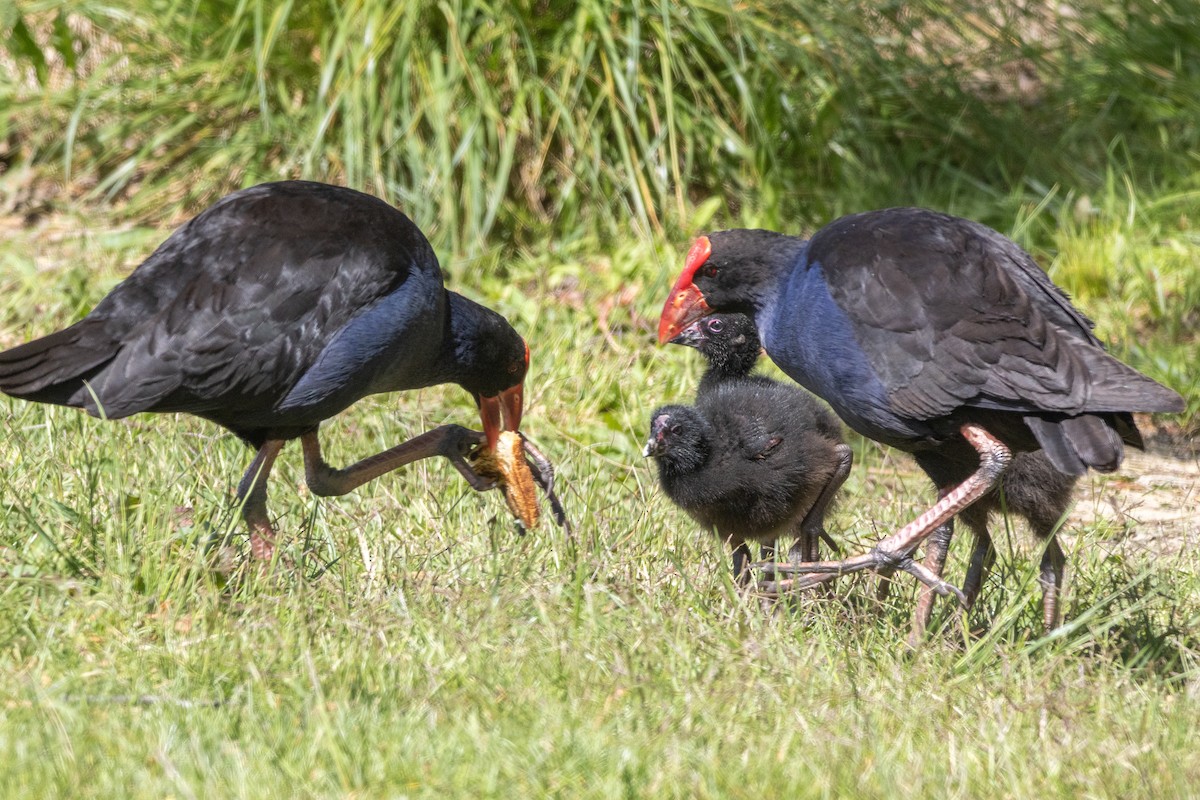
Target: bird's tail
(53, 369)
(1096, 437)
(1117, 387)
(1075, 443)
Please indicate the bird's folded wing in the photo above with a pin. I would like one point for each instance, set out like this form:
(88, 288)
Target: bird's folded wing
(952, 315)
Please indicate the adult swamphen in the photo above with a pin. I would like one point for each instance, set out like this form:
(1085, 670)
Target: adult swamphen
(271, 311)
(751, 462)
(730, 345)
(1031, 487)
(930, 333)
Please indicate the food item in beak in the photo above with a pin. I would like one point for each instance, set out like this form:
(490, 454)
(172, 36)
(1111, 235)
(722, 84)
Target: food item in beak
(506, 465)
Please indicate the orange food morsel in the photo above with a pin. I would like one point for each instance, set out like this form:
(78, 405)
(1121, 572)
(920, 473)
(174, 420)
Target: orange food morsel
(506, 465)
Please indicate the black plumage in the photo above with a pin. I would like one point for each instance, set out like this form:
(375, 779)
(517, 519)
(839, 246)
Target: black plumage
(754, 460)
(931, 333)
(273, 310)
(731, 348)
(1031, 488)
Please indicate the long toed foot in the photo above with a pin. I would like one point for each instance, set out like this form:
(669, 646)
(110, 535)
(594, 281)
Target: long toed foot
(816, 573)
(894, 552)
(543, 475)
(452, 441)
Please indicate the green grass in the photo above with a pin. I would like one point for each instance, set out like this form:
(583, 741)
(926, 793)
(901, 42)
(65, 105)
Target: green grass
(420, 647)
(560, 155)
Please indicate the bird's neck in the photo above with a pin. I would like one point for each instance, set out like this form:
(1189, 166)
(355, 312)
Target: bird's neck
(477, 345)
(460, 339)
(762, 278)
(725, 366)
(722, 372)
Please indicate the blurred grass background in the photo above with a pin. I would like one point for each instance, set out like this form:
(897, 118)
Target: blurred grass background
(516, 121)
(560, 156)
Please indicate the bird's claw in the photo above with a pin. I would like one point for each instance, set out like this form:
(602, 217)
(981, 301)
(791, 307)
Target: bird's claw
(460, 447)
(463, 446)
(878, 559)
(543, 475)
(478, 482)
(813, 568)
(932, 580)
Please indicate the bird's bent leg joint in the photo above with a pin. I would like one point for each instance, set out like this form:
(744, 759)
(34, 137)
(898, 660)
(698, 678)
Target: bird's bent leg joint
(884, 558)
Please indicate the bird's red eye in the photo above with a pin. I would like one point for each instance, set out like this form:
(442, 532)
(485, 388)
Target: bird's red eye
(514, 367)
(715, 325)
(710, 271)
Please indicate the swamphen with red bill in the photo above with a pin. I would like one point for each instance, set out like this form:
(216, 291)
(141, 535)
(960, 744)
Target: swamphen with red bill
(1031, 487)
(931, 333)
(271, 311)
(749, 461)
(730, 345)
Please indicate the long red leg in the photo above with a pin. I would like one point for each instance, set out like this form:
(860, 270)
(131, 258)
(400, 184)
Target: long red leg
(894, 551)
(252, 496)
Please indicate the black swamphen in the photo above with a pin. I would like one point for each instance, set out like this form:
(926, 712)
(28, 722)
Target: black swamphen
(271, 311)
(1032, 487)
(754, 459)
(930, 333)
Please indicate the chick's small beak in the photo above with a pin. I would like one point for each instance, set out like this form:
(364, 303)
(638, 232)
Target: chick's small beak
(655, 446)
(691, 336)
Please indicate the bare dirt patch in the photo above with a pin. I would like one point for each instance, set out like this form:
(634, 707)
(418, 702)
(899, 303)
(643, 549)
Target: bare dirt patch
(1154, 498)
